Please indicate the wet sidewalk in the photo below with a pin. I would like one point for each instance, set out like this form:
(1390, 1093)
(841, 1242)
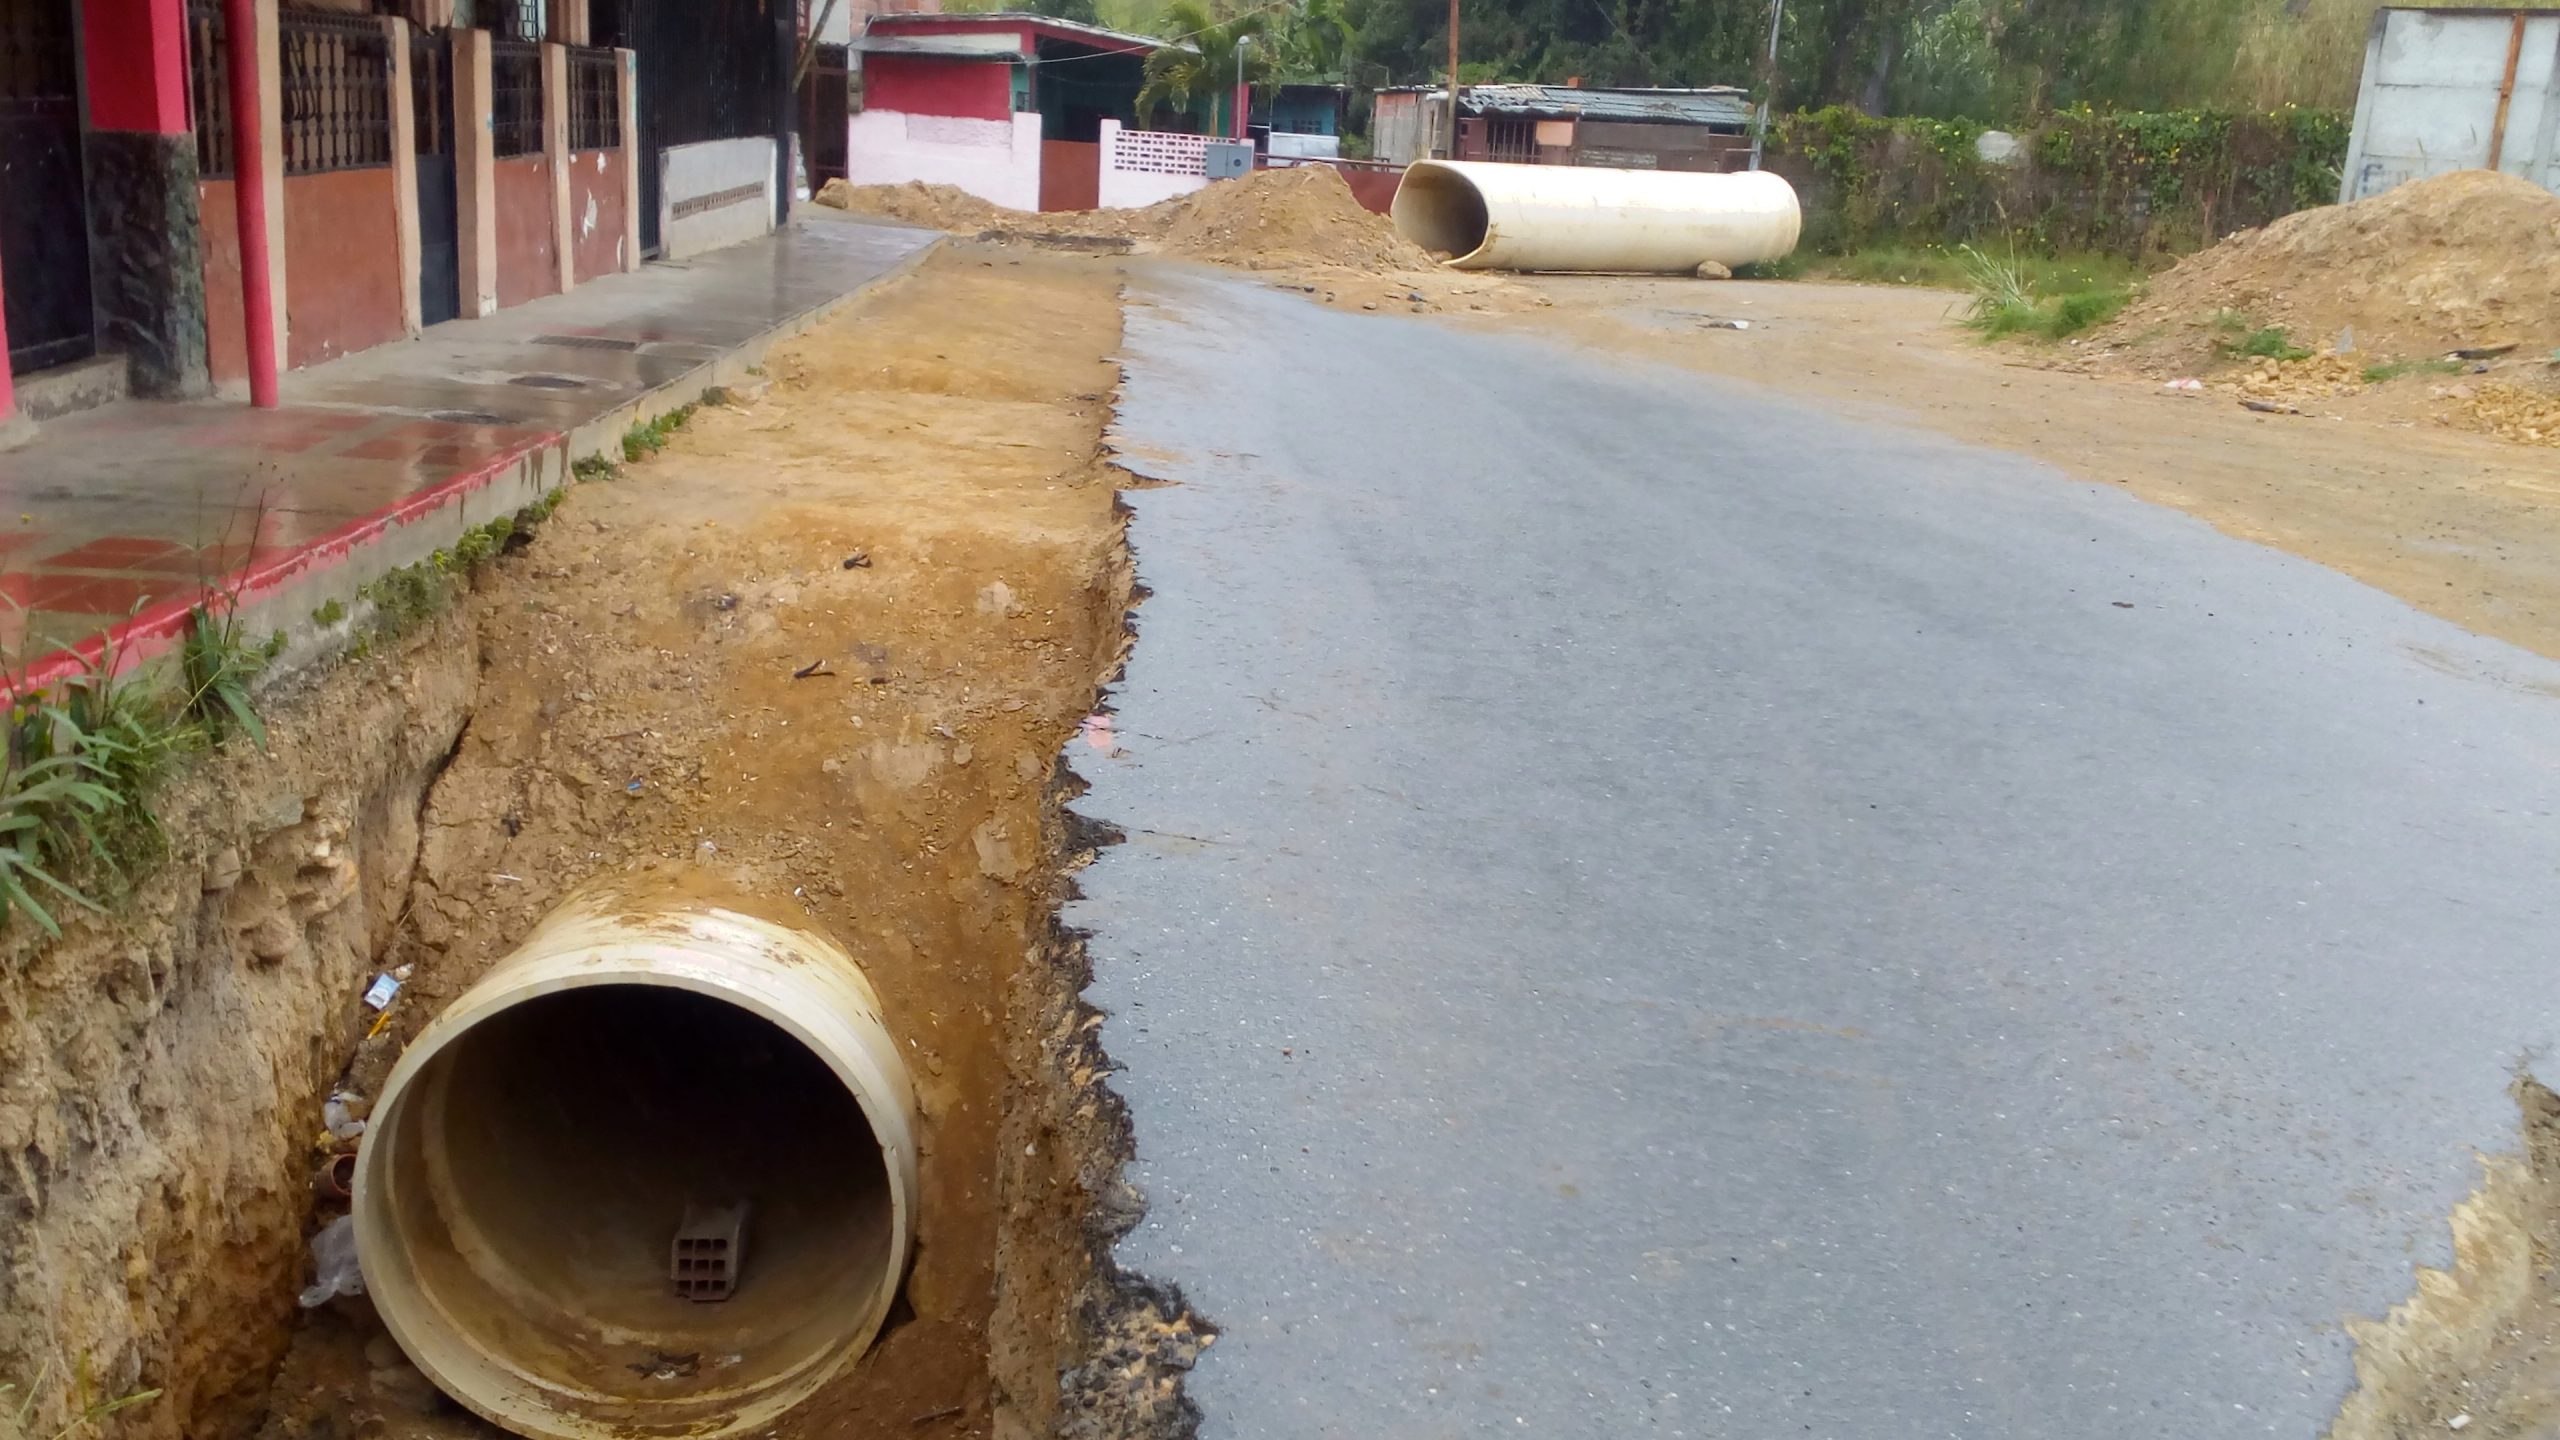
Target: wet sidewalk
(118, 520)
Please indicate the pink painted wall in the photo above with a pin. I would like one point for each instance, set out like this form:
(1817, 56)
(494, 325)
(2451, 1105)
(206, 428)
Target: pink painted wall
(341, 264)
(528, 260)
(226, 348)
(595, 213)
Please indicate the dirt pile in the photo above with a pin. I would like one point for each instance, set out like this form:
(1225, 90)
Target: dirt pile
(1298, 218)
(2460, 260)
(941, 207)
(1283, 219)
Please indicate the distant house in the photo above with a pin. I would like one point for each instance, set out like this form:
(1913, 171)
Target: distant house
(1627, 129)
(1301, 121)
(1014, 108)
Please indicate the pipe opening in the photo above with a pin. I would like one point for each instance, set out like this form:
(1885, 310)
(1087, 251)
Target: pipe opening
(543, 1161)
(1440, 210)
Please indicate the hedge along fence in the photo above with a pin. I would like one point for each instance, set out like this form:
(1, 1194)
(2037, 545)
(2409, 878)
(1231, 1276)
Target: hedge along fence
(2134, 184)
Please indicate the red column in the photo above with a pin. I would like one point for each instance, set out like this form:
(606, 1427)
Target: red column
(137, 64)
(249, 190)
(8, 385)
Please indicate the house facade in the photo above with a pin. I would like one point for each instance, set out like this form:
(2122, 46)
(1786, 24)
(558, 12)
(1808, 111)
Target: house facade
(200, 192)
(1625, 129)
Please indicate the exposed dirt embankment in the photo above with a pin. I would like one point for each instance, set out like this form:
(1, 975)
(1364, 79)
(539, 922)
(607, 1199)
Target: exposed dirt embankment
(830, 644)
(2475, 1350)
(162, 1070)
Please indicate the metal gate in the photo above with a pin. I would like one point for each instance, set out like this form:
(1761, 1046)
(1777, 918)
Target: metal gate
(44, 228)
(708, 70)
(439, 217)
(824, 111)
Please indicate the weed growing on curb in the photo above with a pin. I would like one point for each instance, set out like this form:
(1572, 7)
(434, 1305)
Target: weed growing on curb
(219, 663)
(642, 441)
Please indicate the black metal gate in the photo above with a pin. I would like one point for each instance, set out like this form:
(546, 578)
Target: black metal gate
(44, 226)
(439, 217)
(708, 70)
(824, 111)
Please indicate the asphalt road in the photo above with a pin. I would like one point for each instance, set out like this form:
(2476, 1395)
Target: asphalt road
(1651, 909)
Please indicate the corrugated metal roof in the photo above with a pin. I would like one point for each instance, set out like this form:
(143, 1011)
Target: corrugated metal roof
(1003, 46)
(1719, 105)
(1022, 19)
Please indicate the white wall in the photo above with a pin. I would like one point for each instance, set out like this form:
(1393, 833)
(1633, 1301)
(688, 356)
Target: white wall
(1304, 147)
(996, 160)
(1141, 167)
(716, 193)
(2430, 99)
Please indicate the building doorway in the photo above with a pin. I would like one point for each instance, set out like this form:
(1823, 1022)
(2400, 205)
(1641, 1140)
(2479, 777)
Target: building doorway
(44, 226)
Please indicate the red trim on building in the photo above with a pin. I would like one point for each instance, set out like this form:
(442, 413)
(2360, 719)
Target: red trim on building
(137, 64)
(923, 85)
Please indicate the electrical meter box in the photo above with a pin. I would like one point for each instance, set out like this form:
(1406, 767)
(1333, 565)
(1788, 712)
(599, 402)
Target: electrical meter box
(1227, 159)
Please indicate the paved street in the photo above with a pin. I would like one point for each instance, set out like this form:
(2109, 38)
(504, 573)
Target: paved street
(1649, 909)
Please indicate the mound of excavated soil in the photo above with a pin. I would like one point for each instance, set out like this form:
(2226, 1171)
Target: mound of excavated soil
(1287, 219)
(942, 207)
(1282, 219)
(2471, 258)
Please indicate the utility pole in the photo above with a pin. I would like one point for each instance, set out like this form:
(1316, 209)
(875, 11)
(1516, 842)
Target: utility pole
(1768, 82)
(1452, 152)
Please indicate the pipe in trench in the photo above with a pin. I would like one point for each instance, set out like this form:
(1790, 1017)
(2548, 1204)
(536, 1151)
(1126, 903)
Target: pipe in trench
(1487, 216)
(656, 1047)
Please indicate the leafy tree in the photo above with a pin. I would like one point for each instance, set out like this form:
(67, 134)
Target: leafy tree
(1311, 41)
(1219, 55)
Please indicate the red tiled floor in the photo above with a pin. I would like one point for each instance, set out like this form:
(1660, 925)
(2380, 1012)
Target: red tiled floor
(139, 499)
(86, 594)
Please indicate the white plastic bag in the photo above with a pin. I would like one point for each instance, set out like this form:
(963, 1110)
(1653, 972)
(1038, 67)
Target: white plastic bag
(334, 1271)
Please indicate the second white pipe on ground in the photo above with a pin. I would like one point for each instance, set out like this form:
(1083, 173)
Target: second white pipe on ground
(1571, 217)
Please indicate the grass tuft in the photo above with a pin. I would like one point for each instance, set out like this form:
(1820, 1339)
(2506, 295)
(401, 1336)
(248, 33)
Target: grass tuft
(2010, 299)
(2390, 370)
(18, 1412)
(219, 663)
(2240, 338)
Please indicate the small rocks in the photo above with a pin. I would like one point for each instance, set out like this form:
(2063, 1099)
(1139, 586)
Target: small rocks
(1710, 270)
(221, 870)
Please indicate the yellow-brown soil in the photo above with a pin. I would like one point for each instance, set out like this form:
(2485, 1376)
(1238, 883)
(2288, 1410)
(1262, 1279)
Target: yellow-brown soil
(2457, 261)
(830, 644)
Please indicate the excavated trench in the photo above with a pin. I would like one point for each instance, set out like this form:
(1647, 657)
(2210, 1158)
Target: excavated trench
(827, 649)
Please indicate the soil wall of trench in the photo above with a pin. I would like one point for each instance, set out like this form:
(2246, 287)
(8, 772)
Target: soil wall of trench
(830, 644)
(163, 1066)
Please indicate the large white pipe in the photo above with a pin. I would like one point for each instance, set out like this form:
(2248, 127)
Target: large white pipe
(1573, 217)
(655, 1047)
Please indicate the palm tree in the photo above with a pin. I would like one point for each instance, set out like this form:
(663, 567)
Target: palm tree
(1208, 60)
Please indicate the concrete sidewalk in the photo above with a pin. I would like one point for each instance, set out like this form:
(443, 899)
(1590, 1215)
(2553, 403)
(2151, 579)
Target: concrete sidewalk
(116, 521)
